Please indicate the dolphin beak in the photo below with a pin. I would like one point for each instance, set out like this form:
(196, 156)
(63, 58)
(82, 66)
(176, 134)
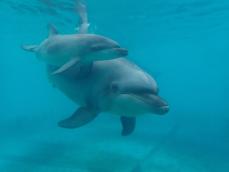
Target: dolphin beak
(163, 110)
(160, 106)
(157, 104)
(121, 52)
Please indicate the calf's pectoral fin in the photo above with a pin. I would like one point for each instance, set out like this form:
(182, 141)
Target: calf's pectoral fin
(80, 117)
(128, 125)
(67, 65)
(31, 48)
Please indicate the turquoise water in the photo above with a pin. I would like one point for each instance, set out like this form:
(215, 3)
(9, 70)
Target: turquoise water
(183, 44)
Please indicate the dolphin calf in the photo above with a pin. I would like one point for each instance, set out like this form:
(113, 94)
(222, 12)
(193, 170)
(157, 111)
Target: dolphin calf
(82, 49)
(116, 86)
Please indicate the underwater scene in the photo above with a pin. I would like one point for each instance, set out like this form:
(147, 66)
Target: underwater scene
(114, 86)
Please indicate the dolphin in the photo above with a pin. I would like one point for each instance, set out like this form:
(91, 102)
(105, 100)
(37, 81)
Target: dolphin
(115, 86)
(66, 50)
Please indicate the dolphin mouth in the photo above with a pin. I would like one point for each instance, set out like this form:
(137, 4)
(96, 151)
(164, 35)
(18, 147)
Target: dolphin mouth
(121, 52)
(160, 106)
(163, 110)
(138, 97)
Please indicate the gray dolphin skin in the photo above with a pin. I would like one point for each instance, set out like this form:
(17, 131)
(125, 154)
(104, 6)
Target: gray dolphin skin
(82, 49)
(93, 73)
(116, 86)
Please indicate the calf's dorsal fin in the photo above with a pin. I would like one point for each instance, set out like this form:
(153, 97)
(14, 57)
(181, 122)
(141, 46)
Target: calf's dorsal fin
(52, 30)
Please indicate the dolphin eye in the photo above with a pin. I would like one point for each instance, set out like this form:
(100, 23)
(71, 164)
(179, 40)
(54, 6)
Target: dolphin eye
(114, 88)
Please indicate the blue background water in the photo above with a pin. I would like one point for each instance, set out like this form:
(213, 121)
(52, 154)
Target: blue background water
(184, 44)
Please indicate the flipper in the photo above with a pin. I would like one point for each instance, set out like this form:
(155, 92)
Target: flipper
(128, 125)
(75, 66)
(31, 48)
(52, 30)
(82, 11)
(66, 66)
(81, 117)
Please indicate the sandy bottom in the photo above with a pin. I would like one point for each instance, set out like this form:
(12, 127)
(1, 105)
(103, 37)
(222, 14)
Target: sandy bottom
(102, 154)
(103, 150)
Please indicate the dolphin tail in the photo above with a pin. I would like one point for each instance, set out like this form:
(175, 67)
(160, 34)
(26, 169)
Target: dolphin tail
(31, 48)
(82, 11)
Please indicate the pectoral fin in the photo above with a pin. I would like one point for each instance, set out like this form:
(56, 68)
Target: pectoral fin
(66, 66)
(81, 117)
(128, 125)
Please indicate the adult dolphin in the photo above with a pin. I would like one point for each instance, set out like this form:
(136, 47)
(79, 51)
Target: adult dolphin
(116, 86)
(82, 49)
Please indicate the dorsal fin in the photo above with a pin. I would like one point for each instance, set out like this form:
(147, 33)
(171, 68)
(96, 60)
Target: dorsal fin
(52, 30)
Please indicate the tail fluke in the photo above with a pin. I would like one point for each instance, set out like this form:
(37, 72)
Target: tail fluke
(82, 11)
(31, 48)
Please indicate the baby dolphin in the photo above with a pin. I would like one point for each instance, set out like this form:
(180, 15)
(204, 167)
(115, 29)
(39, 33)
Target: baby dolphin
(82, 49)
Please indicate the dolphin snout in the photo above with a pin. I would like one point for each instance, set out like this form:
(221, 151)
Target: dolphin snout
(121, 52)
(162, 106)
(163, 110)
(158, 105)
